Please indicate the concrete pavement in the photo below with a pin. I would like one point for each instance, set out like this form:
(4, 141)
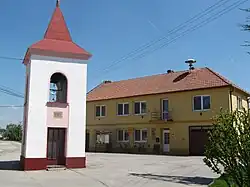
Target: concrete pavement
(108, 170)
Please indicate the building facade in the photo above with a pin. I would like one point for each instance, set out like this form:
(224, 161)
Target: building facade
(160, 114)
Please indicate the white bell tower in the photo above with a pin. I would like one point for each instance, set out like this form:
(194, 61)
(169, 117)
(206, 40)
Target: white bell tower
(55, 100)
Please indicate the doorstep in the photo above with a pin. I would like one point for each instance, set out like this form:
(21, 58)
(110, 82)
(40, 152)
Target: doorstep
(55, 168)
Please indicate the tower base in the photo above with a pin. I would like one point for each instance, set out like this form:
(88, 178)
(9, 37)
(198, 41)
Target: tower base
(75, 162)
(31, 164)
(28, 164)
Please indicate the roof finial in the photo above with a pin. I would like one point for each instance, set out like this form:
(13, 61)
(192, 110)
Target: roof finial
(57, 3)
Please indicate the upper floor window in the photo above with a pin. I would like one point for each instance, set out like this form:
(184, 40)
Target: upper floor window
(100, 111)
(201, 102)
(239, 103)
(123, 109)
(122, 136)
(141, 135)
(58, 88)
(140, 107)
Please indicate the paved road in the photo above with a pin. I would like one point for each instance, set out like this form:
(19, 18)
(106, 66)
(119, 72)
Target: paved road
(108, 170)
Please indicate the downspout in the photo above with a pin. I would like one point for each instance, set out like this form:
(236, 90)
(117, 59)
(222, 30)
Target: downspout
(248, 102)
(230, 98)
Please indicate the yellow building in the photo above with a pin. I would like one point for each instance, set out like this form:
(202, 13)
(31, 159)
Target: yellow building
(161, 114)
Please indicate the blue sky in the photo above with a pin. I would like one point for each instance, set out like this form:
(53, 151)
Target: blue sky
(111, 29)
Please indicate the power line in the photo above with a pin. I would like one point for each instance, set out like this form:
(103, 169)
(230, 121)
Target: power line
(172, 31)
(10, 89)
(196, 17)
(11, 106)
(22, 59)
(9, 92)
(200, 25)
(203, 23)
(10, 58)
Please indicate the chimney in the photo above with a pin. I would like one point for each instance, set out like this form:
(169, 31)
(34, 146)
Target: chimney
(107, 81)
(190, 63)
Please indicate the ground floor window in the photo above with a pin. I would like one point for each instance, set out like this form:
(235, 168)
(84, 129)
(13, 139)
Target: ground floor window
(122, 135)
(141, 135)
(102, 138)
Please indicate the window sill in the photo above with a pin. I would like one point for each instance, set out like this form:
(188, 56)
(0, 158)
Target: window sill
(142, 114)
(99, 117)
(142, 141)
(205, 110)
(101, 143)
(57, 104)
(127, 141)
(123, 115)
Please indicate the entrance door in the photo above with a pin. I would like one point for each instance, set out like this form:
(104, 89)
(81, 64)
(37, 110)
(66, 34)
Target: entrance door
(166, 147)
(56, 146)
(198, 138)
(165, 109)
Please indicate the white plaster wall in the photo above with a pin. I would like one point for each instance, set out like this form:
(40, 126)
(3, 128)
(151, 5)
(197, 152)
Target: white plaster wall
(57, 122)
(41, 70)
(77, 111)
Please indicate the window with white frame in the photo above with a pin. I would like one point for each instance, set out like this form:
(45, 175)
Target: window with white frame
(100, 111)
(102, 138)
(140, 107)
(122, 109)
(201, 102)
(122, 136)
(140, 135)
(239, 103)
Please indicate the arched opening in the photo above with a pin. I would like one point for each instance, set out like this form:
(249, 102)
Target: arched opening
(58, 88)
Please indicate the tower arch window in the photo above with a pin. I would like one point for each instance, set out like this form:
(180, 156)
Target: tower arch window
(58, 88)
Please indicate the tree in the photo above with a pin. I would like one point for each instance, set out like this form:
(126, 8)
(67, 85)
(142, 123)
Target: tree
(228, 148)
(2, 131)
(13, 132)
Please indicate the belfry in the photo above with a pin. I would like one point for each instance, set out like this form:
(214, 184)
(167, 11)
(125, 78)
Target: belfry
(55, 100)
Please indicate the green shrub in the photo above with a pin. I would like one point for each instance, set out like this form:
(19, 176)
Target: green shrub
(13, 132)
(228, 148)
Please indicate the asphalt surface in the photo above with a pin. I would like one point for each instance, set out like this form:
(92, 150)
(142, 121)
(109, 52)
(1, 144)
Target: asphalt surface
(108, 170)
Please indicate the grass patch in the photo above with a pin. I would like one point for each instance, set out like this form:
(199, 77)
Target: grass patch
(221, 182)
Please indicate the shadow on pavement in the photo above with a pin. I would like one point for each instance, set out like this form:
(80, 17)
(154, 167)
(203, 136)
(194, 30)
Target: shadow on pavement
(10, 165)
(176, 179)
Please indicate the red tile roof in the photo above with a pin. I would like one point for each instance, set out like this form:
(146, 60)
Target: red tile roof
(57, 40)
(200, 78)
(57, 29)
(60, 46)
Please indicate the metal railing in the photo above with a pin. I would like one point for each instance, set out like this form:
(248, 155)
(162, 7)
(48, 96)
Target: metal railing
(163, 116)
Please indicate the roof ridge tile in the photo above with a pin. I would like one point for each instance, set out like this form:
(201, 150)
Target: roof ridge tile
(219, 76)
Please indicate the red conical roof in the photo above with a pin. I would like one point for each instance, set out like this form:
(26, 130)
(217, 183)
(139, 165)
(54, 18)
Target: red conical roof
(57, 28)
(57, 41)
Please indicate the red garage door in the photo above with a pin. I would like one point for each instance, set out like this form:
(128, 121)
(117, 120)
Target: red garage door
(198, 137)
